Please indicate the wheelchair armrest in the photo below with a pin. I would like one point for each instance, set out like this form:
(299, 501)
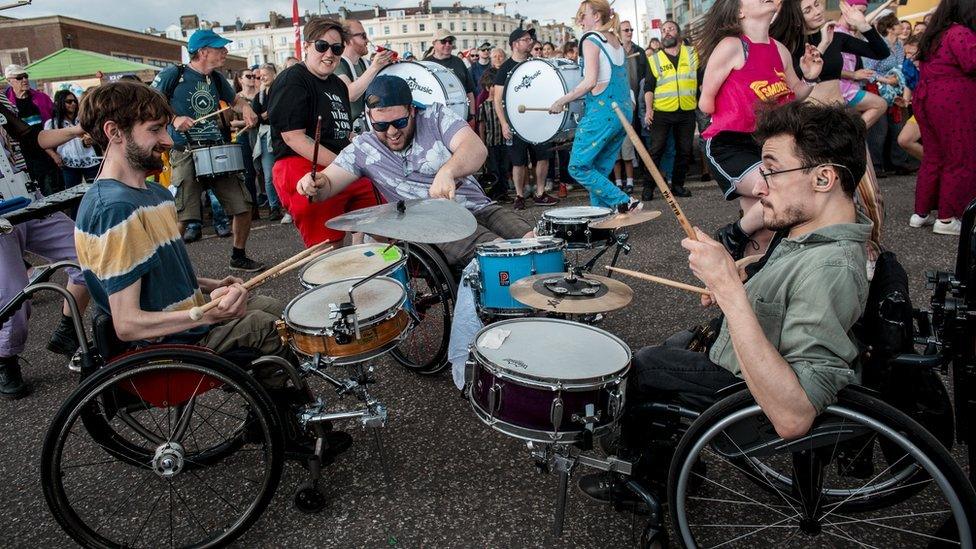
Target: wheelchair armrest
(917, 361)
(730, 390)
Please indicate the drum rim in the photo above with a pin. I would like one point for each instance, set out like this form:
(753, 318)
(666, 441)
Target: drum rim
(535, 435)
(432, 67)
(370, 321)
(301, 274)
(542, 381)
(547, 215)
(508, 78)
(556, 244)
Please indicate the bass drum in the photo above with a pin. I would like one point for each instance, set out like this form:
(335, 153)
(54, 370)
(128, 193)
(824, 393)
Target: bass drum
(432, 83)
(539, 83)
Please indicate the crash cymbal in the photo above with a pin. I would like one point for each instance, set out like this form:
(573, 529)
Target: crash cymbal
(423, 220)
(625, 220)
(555, 293)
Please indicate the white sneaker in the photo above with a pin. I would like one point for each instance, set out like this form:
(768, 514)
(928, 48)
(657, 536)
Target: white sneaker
(918, 221)
(286, 219)
(951, 227)
(548, 186)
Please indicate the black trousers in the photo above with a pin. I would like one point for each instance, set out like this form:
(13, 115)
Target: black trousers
(497, 165)
(681, 124)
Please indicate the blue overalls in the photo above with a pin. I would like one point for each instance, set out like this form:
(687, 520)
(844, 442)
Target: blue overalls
(599, 136)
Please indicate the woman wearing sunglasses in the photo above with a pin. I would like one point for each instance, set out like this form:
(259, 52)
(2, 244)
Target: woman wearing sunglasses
(78, 158)
(301, 96)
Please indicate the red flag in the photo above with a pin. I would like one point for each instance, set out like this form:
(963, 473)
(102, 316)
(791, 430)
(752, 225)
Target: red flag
(296, 22)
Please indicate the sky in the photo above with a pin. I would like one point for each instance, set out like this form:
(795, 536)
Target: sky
(139, 14)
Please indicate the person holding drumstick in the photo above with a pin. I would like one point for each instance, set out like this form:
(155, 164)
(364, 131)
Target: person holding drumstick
(600, 134)
(745, 68)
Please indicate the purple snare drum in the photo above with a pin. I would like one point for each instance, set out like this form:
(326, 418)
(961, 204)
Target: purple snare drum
(544, 380)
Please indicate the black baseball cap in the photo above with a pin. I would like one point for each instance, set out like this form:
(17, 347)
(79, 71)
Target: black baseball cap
(485, 46)
(519, 33)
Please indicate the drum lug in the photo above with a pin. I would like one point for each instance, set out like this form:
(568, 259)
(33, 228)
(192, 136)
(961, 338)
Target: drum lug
(615, 405)
(556, 413)
(282, 329)
(494, 399)
(591, 418)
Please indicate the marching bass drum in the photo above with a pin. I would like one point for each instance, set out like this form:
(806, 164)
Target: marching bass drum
(432, 83)
(539, 83)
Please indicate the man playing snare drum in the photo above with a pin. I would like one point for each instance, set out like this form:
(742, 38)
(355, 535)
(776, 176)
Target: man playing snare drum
(416, 152)
(193, 91)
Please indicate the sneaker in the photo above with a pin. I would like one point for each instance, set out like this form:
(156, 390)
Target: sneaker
(504, 199)
(64, 340)
(648, 193)
(918, 221)
(951, 227)
(275, 214)
(519, 203)
(605, 488)
(192, 233)
(707, 176)
(12, 384)
(563, 191)
(548, 186)
(223, 230)
(545, 200)
(286, 219)
(680, 190)
(245, 264)
(633, 205)
(734, 239)
(629, 187)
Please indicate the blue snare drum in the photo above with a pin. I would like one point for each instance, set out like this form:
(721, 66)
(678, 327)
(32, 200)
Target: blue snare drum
(504, 262)
(358, 261)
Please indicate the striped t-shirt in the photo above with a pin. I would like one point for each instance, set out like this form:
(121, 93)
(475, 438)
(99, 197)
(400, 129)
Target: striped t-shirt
(123, 235)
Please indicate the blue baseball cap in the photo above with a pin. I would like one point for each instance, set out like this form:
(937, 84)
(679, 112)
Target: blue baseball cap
(206, 38)
(387, 90)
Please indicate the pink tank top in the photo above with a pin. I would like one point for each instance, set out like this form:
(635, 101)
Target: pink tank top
(761, 79)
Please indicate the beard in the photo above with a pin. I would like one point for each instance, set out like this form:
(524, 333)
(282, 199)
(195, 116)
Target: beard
(142, 158)
(791, 217)
(669, 41)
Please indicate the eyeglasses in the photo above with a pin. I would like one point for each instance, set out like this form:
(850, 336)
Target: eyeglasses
(359, 34)
(322, 46)
(21, 77)
(626, 30)
(768, 175)
(447, 41)
(399, 124)
(248, 76)
(70, 101)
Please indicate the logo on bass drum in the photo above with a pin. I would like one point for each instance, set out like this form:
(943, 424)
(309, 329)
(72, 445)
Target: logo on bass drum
(504, 279)
(415, 86)
(527, 80)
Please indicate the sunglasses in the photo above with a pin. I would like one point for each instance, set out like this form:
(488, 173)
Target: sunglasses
(399, 124)
(70, 101)
(447, 41)
(21, 77)
(627, 30)
(322, 46)
(249, 76)
(359, 34)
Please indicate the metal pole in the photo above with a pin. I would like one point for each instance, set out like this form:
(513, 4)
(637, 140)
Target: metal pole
(636, 26)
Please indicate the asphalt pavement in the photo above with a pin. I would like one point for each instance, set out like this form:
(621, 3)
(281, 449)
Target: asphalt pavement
(455, 482)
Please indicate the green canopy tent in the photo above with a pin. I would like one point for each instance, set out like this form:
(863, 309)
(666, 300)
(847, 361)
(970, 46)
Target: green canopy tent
(79, 69)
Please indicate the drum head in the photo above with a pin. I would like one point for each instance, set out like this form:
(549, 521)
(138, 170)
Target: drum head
(375, 298)
(520, 245)
(357, 261)
(553, 350)
(534, 83)
(577, 213)
(424, 85)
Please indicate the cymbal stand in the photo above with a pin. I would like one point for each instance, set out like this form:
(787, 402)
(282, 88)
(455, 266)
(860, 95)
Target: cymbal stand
(619, 244)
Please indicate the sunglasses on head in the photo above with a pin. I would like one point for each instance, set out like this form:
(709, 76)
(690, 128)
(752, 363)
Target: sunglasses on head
(399, 124)
(20, 77)
(322, 46)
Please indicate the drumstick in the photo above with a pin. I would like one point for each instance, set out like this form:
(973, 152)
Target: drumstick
(523, 108)
(659, 280)
(635, 54)
(204, 117)
(315, 153)
(661, 185)
(293, 262)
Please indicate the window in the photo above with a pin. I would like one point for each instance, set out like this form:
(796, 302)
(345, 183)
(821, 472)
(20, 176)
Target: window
(465, 43)
(494, 27)
(484, 27)
(403, 29)
(420, 27)
(386, 30)
(464, 26)
(440, 25)
(282, 40)
(423, 48)
(452, 25)
(369, 31)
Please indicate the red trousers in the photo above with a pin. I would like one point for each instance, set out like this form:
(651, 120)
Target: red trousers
(310, 217)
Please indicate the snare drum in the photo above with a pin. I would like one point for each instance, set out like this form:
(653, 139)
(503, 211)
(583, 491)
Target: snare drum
(218, 160)
(504, 262)
(357, 261)
(546, 380)
(539, 83)
(313, 324)
(432, 83)
(572, 224)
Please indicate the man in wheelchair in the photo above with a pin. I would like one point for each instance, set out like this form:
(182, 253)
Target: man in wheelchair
(132, 255)
(787, 330)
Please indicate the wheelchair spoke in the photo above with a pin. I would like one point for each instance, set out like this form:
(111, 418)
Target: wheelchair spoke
(214, 490)
(768, 482)
(836, 506)
(189, 406)
(221, 412)
(190, 515)
(149, 515)
(845, 536)
(873, 522)
(93, 463)
(756, 531)
(122, 505)
(740, 494)
(145, 405)
(737, 502)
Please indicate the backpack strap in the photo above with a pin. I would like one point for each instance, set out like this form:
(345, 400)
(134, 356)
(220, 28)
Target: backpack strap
(168, 92)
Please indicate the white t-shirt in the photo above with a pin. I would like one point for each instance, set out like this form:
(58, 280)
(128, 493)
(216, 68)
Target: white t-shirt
(73, 153)
(616, 54)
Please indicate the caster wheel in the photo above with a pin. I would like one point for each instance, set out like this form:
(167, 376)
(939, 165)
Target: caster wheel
(310, 500)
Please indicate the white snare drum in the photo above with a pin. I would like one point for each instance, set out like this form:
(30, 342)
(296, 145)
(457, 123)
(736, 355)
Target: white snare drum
(313, 323)
(539, 83)
(432, 83)
(218, 160)
(357, 261)
(545, 380)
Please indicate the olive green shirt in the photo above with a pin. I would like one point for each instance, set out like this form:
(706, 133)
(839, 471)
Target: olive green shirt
(806, 298)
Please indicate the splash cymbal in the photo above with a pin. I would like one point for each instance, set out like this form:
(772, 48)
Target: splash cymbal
(626, 220)
(556, 293)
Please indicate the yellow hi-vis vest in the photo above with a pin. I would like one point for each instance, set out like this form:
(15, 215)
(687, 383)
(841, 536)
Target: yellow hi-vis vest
(677, 87)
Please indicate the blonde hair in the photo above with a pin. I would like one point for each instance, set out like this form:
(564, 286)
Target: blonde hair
(611, 20)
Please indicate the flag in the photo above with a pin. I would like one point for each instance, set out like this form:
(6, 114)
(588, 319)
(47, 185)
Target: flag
(295, 22)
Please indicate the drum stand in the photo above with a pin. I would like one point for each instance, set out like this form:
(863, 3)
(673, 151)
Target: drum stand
(619, 245)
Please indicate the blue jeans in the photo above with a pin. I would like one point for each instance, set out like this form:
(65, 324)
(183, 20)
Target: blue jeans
(267, 166)
(73, 176)
(220, 218)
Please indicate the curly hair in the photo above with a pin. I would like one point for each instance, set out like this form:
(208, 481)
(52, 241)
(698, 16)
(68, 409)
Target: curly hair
(126, 103)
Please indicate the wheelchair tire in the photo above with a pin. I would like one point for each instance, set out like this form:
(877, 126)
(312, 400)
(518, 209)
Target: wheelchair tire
(433, 293)
(198, 468)
(715, 500)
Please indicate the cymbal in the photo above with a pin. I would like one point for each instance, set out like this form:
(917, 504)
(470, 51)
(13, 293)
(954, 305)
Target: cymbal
(607, 294)
(423, 220)
(626, 220)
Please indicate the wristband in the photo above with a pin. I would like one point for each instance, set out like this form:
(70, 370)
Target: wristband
(811, 82)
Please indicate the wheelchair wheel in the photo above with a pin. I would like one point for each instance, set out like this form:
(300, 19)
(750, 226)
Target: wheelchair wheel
(432, 292)
(168, 447)
(734, 482)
